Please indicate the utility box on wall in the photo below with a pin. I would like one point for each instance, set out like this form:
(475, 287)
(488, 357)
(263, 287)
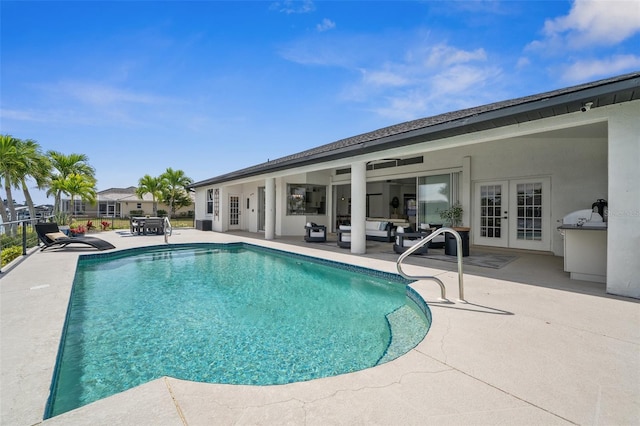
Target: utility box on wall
(204, 225)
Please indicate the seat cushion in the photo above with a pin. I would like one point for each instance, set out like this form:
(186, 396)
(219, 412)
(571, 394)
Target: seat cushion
(410, 243)
(56, 235)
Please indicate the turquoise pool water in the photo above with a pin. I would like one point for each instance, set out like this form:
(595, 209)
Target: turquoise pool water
(234, 314)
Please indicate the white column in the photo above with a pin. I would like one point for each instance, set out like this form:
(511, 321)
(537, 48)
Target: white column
(358, 207)
(270, 209)
(623, 229)
(465, 191)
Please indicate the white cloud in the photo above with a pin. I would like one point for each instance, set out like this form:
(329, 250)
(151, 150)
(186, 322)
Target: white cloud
(293, 6)
(92, 104)
(592, 22)
(99, 94)
(461, 78)
(585, 70)
(425, 78)
(386, 78)
(429, 81)
(325, 25)
(18, 115)
(443, 55)
(523, 62)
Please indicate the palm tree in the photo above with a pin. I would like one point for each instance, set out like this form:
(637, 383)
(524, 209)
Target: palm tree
(65, 165)
(33, 164)
(79, 185)
(9, 163)
(151, 185)
(176, 188)
(3, 209)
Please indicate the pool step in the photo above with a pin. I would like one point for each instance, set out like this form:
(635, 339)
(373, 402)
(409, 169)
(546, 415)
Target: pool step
(407, 330)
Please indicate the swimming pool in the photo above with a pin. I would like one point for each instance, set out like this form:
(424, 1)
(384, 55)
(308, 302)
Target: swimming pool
(226, 313)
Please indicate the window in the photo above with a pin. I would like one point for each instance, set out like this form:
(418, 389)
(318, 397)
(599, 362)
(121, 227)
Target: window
(209, 201)
(139, 206)
(435, 195)
(303, 199)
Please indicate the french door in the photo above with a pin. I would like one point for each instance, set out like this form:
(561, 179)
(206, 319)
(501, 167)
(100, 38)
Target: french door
(513, 213)
(234, 212)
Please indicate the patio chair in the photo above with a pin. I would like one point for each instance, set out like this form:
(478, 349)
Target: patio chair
(51, 236)
(344, 236)
(315, 233)
(405, 239)
(135, 225)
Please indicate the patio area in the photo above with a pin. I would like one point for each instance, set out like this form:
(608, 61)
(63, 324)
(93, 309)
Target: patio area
(531, 346)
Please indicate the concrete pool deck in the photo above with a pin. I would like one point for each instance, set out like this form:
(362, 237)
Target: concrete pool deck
(530, 347)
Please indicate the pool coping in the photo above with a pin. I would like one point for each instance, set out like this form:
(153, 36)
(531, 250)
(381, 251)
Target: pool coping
(532, 346)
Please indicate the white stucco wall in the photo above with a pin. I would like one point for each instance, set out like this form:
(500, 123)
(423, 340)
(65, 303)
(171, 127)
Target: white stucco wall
(294, 225)
(577, 168)
(623, 242)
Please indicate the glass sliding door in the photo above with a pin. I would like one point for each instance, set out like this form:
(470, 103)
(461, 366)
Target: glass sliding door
(434, 195)
(261, 208)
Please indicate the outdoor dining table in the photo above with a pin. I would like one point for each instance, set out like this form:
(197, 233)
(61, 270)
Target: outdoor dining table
(138, 222)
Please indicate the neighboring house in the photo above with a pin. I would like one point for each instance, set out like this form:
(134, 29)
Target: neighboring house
(517, 168)
(120, 202)
(22, 210)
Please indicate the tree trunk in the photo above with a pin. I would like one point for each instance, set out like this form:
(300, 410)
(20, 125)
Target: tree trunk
(28, 200)
(12, 209)
(3, 212)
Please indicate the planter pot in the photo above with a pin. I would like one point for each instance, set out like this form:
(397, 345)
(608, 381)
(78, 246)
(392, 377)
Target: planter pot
(451, 244)
(64, 229)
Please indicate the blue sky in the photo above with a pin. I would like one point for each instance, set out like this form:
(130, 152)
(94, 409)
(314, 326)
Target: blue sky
(210, 87)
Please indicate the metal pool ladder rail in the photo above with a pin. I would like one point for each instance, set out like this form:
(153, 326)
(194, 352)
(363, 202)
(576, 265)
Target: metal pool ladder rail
(168, 230)
(424, 242)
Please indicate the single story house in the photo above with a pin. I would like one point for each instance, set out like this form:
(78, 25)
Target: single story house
(120, 202)
(516, 167)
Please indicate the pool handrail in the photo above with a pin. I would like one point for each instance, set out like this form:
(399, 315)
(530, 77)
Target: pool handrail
(422, 243)
(168, 229)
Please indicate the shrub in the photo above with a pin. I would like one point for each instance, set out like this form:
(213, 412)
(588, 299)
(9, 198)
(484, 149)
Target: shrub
(162, 212)
(10, 253)
(8, 240)
(453, 215)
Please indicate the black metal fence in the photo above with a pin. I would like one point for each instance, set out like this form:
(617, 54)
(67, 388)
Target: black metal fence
(15, 238)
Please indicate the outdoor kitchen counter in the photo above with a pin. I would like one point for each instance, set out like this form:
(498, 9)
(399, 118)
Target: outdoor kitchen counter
(585, 253)
(584, 227)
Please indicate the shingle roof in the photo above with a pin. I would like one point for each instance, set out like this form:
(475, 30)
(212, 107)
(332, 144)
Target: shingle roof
(609, 91)
(123, 194)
